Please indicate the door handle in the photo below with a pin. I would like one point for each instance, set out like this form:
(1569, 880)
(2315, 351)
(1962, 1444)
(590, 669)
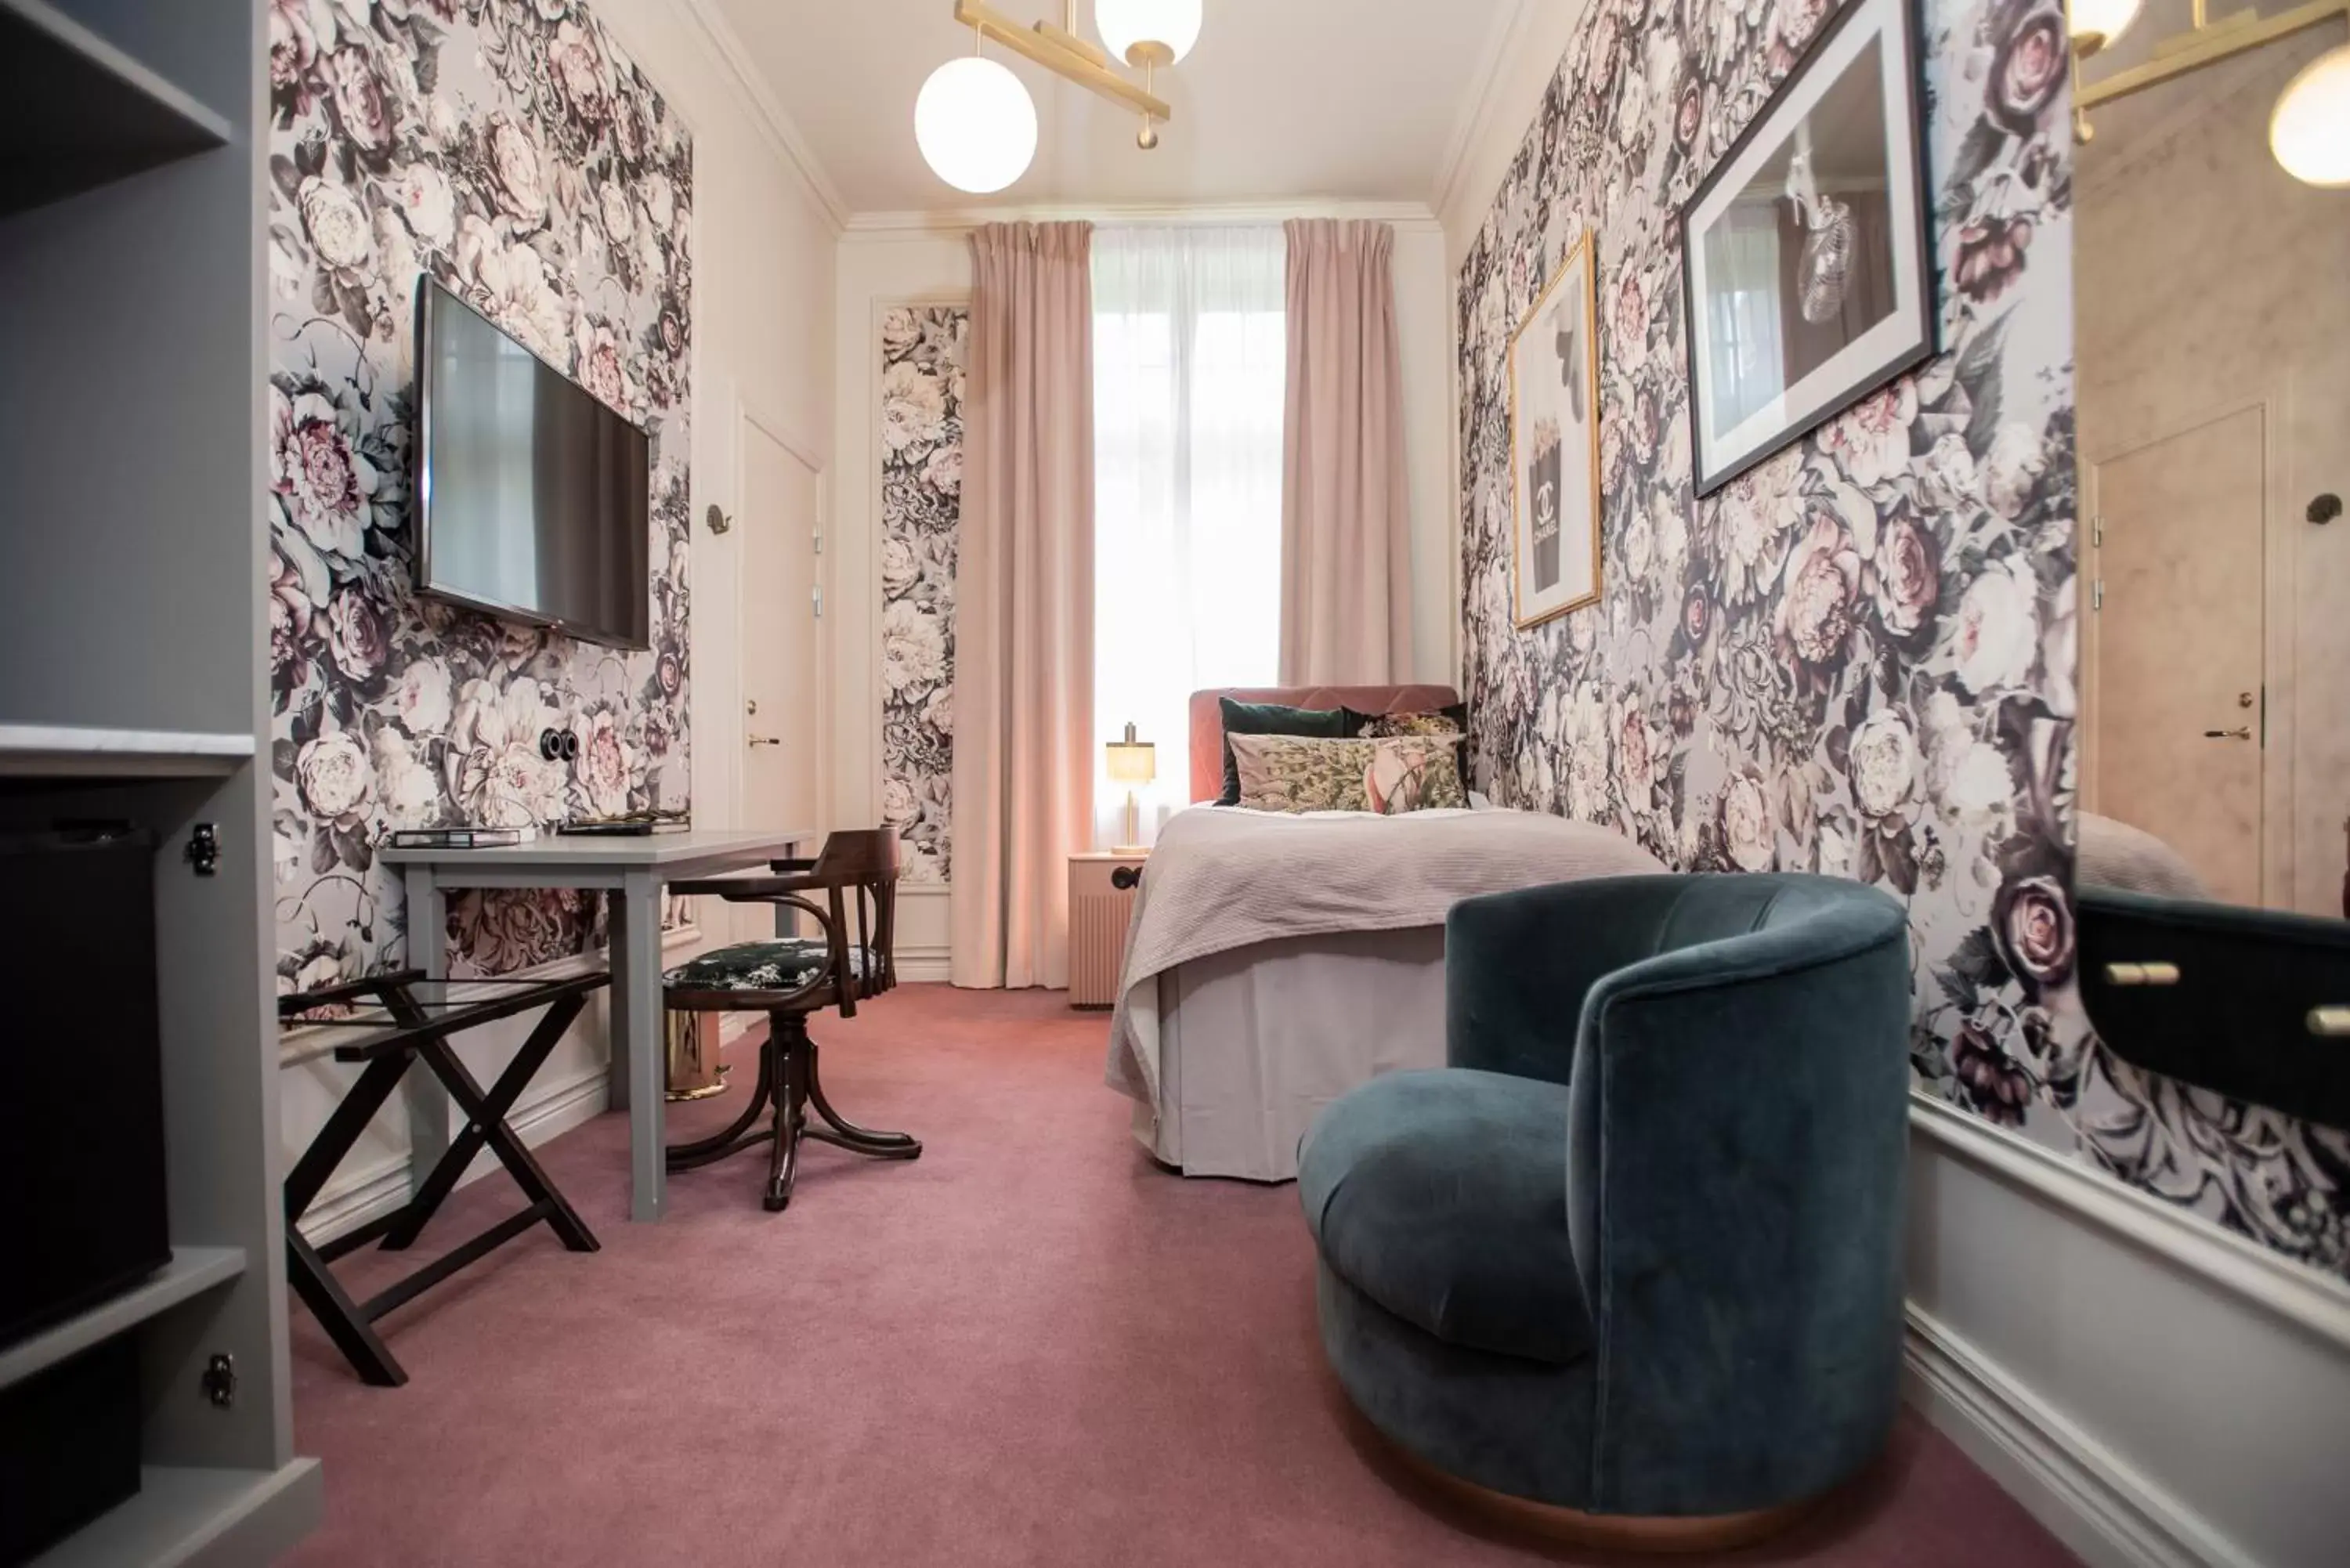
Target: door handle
(767, 741)
(2242, 734)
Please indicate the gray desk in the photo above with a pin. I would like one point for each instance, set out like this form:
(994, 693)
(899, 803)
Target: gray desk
(632, 872)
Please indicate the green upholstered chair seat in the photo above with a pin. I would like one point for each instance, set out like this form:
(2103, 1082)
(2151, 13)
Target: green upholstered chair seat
(784, 963)
(1441, 1196)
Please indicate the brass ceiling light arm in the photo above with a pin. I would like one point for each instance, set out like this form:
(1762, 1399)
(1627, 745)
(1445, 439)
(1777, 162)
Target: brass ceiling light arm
(2208, 43)
(1058, 50)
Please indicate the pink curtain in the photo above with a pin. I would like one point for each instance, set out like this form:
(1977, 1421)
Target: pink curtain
(1024, 606)
(1346, 525)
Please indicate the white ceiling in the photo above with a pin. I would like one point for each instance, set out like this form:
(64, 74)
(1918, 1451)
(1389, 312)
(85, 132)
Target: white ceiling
(1282, 100)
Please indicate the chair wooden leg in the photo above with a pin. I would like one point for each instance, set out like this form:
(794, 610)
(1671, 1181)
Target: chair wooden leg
(787, 1089)
(847, 1135)
(791, 1117)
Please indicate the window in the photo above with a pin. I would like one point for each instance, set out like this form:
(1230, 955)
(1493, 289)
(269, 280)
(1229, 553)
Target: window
(1749, 370)
(1190, 358)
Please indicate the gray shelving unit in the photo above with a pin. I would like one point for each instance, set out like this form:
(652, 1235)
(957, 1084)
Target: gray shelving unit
(133, 679)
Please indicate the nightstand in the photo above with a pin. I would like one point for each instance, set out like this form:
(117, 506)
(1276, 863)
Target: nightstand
(1102, 889)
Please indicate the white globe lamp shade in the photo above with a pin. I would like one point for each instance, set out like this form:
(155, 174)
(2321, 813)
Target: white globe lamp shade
(2099, 24)
(976, 125)
(2310, 131)
(1149, 25)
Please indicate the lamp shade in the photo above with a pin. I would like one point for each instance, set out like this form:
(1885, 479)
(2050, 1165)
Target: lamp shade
(1132, 761)
(2099, 24)
(1129, 25)
(976, 125)
(2310, 131)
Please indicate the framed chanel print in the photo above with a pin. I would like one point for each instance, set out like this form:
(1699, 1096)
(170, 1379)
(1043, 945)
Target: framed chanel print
(1805, 255)
(1554, 446)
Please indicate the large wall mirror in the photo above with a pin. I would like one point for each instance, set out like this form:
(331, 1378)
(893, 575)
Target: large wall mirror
(2213, 342)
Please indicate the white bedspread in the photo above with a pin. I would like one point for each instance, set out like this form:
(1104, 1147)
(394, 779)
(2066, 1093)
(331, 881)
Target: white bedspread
(1222, 878)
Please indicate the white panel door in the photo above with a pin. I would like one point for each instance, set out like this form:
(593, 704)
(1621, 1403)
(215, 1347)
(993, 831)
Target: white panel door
(2175, 703)
(783, 715)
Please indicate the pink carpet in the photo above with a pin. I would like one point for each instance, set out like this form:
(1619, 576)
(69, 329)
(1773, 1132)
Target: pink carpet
(1030, 1347)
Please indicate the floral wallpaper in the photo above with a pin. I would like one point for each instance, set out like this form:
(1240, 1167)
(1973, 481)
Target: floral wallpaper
(1859, 658)
(508, 149)
(921, 503)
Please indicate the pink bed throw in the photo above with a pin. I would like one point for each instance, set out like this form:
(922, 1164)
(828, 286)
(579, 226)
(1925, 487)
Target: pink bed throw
(1223, 878)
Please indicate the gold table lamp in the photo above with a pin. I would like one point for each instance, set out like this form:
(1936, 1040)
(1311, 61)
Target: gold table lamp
(1133, 764)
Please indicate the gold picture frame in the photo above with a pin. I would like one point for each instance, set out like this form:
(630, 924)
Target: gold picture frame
(1576, 284)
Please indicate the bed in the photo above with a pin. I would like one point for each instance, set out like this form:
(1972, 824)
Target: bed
(1275, 962)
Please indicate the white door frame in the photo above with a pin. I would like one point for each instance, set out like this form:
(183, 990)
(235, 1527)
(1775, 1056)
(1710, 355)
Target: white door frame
(749, 415)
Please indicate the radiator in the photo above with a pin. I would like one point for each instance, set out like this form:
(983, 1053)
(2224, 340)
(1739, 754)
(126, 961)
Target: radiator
(1099, 910)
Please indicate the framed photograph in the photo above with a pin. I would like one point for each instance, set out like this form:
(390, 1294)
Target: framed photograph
(1805, 256)
(1554, 446)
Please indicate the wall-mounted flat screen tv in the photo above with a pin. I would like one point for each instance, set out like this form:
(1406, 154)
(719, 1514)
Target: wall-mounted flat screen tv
(533, 499)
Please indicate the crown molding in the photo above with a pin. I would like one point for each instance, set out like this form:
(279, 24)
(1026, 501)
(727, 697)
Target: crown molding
(751, 87)
(948, 224)
(1513, 37)
(1507, 27)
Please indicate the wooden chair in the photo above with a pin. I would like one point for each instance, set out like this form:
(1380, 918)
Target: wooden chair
(788, 978)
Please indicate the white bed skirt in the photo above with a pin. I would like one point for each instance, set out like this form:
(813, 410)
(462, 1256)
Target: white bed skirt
(1253, 1042)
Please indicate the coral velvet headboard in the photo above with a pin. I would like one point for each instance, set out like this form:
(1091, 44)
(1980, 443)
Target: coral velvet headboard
(1208, 718)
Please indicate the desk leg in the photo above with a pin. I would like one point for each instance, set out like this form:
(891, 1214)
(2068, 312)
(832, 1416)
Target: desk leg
(427, 950)
(639, 1066)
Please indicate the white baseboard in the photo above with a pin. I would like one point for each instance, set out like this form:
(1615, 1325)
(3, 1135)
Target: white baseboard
(2156, 1390)
(2096, 1502)
(545, 1112)
(925, 929)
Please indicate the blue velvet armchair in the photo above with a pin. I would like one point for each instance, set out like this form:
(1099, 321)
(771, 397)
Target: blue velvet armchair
(1636, 1252)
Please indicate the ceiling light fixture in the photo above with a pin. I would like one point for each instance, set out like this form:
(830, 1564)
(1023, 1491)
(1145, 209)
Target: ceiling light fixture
(2309, 133)
(1148, 32)
(2098, 23)
(976, 123)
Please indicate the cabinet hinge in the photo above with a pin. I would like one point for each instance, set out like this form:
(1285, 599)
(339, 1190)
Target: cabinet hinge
(2097, 597)
(817, 593)
(219, 1381)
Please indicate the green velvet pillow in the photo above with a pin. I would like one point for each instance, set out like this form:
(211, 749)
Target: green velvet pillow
(1272, 719)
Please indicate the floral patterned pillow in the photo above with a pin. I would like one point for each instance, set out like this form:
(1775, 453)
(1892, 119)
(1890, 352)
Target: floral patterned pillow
(1389, 776)
(1415, 772)
(1453, 721)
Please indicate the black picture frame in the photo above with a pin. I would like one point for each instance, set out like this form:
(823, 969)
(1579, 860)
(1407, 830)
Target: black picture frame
(1898, 21)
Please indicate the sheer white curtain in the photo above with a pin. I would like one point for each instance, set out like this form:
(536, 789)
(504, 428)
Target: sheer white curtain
(1189, 370)
(1748, 361)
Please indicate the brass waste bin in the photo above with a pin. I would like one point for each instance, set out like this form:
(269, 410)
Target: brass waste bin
(695, 1071)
